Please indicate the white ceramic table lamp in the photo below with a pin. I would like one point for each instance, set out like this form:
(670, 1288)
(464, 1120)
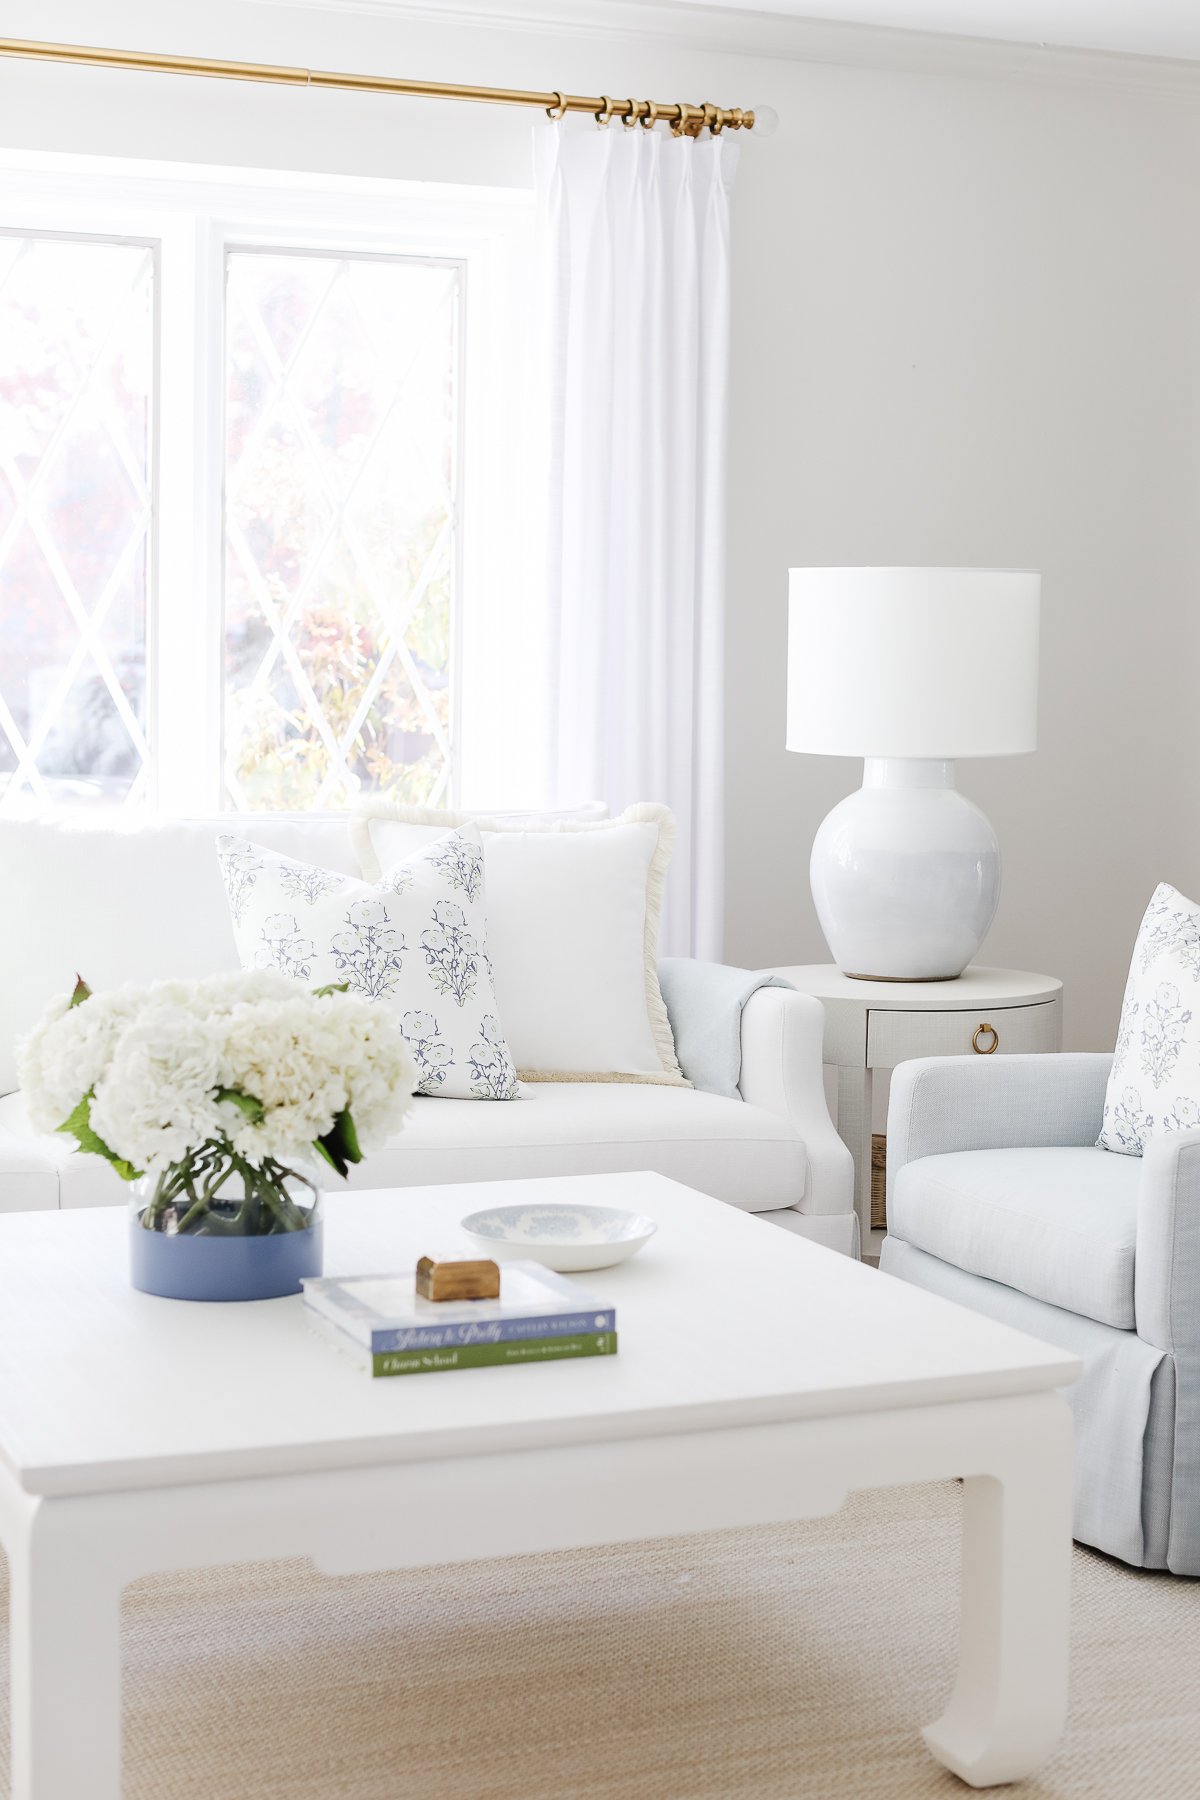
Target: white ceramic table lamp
(910, 669)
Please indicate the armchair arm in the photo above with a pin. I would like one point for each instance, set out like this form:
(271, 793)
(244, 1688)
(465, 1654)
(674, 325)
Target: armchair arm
(1166, 1266)
(994, 1103)
(782, 1036)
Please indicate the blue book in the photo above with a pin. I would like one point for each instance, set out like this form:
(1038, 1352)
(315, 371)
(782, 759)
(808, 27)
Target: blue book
(384, 1314)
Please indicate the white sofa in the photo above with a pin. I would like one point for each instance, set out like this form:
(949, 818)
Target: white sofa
(143, 899)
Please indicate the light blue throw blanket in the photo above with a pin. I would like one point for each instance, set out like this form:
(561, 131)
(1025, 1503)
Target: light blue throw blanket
(704, 1004)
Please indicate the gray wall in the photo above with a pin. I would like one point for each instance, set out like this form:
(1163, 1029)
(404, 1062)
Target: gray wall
(966, 328)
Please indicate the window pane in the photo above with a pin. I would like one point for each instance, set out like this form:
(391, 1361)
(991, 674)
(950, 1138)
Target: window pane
(342, 396)
(76, 368)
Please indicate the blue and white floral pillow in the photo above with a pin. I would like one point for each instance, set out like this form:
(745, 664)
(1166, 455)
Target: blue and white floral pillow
(416, 941)
(1155, 1081)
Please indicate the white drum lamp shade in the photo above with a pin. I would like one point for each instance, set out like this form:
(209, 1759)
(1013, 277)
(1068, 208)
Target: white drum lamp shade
(910, 669)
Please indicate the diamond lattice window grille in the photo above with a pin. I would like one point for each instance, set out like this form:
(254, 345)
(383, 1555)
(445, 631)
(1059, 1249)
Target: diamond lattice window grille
(342, 399)
(76, 373)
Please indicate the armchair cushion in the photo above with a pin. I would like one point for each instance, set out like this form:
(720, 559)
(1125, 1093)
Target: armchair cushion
(1059, 1224)
(994, 1103)
(1154, 1086)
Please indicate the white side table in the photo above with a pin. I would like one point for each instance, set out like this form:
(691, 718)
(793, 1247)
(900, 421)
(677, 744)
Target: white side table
(873, 1025)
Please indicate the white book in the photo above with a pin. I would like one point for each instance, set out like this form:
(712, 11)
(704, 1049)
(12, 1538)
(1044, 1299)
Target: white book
(384, 1313)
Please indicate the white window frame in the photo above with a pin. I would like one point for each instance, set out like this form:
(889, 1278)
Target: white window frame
(194, 216)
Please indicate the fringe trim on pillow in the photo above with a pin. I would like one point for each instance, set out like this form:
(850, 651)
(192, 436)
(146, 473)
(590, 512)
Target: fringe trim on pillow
(646, 812)
(663, 1080)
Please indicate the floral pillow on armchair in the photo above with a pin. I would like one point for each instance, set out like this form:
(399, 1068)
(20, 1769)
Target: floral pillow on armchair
(415, 941)
(1155, 1081)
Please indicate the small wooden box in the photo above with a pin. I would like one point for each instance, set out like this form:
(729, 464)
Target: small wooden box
(458, 1280)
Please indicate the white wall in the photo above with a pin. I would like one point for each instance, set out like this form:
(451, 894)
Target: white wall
(966, 330)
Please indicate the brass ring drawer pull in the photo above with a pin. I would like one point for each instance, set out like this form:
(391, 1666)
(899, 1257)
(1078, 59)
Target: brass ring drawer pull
(985, 1049)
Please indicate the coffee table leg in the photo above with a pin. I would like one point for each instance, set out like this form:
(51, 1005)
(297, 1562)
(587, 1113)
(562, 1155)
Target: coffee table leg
(1009, 1702)
(64, 1625)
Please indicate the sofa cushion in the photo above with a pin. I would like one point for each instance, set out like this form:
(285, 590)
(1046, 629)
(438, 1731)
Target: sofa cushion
(1057, 1224)
(737, 1153)
(573, 909)
(130, 898)
(416, 943)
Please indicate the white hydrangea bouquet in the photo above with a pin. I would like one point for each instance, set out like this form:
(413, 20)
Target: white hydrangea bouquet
(219, 1095)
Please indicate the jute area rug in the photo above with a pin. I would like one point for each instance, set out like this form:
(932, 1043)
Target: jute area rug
(782, 1663)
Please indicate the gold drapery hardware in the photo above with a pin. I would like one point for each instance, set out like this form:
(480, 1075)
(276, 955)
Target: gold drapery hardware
(684, 118)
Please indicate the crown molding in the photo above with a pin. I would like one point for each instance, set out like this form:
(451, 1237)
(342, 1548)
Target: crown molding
(729, 31)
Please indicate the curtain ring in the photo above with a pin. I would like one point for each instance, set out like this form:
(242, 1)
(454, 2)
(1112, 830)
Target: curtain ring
(680, 127)
(651, 118)
(632, 113)
(605, 115)
(713, 119)
(559, 109)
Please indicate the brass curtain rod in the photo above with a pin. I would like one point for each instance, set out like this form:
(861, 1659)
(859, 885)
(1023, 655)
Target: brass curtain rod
(683, 118)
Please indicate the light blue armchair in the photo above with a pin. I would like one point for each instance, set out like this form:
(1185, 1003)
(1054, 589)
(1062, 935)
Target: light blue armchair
(999, 1199)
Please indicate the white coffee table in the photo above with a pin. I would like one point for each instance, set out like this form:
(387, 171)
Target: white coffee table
(759, 1378)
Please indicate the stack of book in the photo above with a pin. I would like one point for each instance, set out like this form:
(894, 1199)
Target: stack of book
(384, 1325)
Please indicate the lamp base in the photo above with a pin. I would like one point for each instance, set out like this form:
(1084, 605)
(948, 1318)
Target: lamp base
(857, 975)
(905, 874)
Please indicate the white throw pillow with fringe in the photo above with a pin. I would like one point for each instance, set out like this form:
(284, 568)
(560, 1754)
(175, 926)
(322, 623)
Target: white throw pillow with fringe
(573, 910)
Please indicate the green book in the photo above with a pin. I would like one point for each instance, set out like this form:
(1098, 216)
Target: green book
(465, 1356)
(480, 1356)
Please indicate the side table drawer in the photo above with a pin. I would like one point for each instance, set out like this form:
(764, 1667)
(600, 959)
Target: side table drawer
(896, 1037)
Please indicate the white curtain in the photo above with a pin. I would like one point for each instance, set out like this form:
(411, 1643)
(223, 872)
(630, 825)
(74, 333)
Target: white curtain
(634, 234)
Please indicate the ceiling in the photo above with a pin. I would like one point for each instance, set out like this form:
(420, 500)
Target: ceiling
(1135, 27)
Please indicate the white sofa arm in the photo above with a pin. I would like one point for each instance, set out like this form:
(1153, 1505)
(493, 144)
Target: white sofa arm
(29, 1165)
(782, 1036)
(945, 1103)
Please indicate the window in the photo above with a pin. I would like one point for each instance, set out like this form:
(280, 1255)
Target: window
(76, 388)
(254, 442)
(341, 412)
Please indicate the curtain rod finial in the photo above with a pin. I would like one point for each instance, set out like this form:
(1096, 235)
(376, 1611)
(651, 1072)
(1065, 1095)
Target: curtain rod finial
(766, 121)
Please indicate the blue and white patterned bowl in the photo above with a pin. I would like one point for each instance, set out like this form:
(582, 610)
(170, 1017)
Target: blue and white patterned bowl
(566, 1238)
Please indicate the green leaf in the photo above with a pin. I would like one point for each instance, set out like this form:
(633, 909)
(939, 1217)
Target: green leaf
(79, 1126)
(319, 1145)
(332, 987)
(351, 1136)
(245, 1103)
(340, 1145)
(80, 992)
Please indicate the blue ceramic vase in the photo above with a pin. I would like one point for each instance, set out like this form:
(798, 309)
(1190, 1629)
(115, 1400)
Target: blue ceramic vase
(257, 1238)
